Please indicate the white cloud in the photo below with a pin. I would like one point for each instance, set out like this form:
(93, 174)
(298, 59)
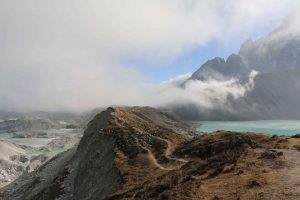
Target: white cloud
(64, 54)
(205, 94)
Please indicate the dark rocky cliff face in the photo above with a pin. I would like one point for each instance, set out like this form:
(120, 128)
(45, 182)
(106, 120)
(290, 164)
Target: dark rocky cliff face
(96, 176)
(276, 93)
(272, 53)
(218, 68)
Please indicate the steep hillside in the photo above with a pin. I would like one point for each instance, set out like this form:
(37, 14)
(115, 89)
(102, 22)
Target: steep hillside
(15, 160)
(142, 153)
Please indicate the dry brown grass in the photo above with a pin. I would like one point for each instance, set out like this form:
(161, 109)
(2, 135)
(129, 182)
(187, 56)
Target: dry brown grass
(215, 168)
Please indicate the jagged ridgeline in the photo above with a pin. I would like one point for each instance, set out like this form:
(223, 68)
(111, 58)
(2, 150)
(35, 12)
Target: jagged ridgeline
(144, 153)
(276, 91)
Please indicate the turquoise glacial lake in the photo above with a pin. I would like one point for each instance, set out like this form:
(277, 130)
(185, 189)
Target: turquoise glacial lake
(274, 127)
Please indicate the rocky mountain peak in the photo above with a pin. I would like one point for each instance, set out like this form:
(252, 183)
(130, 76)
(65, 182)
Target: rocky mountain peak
(275, 91)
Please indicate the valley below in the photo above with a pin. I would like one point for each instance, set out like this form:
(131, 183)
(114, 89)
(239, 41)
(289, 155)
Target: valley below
(27, 143)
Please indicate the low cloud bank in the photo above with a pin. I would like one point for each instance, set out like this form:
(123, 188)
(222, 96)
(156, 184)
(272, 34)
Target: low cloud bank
(71, 55)
(207, 94)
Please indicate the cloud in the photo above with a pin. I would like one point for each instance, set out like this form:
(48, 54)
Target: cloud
(71, 55)
(207, 94)
(289, 28)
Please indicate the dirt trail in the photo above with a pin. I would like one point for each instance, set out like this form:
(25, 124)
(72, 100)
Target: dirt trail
(168, 153)
(290, 179)
(151, 156)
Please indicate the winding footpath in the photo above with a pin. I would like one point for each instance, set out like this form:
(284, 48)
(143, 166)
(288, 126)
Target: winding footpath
(168, 153)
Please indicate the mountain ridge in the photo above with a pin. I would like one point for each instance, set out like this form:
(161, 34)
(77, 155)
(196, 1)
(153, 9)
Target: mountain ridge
(275, 93)
(144, 153)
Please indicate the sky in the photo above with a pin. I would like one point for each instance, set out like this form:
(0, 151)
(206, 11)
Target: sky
(76, 55)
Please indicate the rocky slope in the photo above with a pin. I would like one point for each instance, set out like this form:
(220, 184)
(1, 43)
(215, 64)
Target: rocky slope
(38, 121)
(142, 153)
(15, 160)
(27, 124)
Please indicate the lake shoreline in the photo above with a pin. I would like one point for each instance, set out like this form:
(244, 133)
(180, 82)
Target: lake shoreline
(271, 127)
